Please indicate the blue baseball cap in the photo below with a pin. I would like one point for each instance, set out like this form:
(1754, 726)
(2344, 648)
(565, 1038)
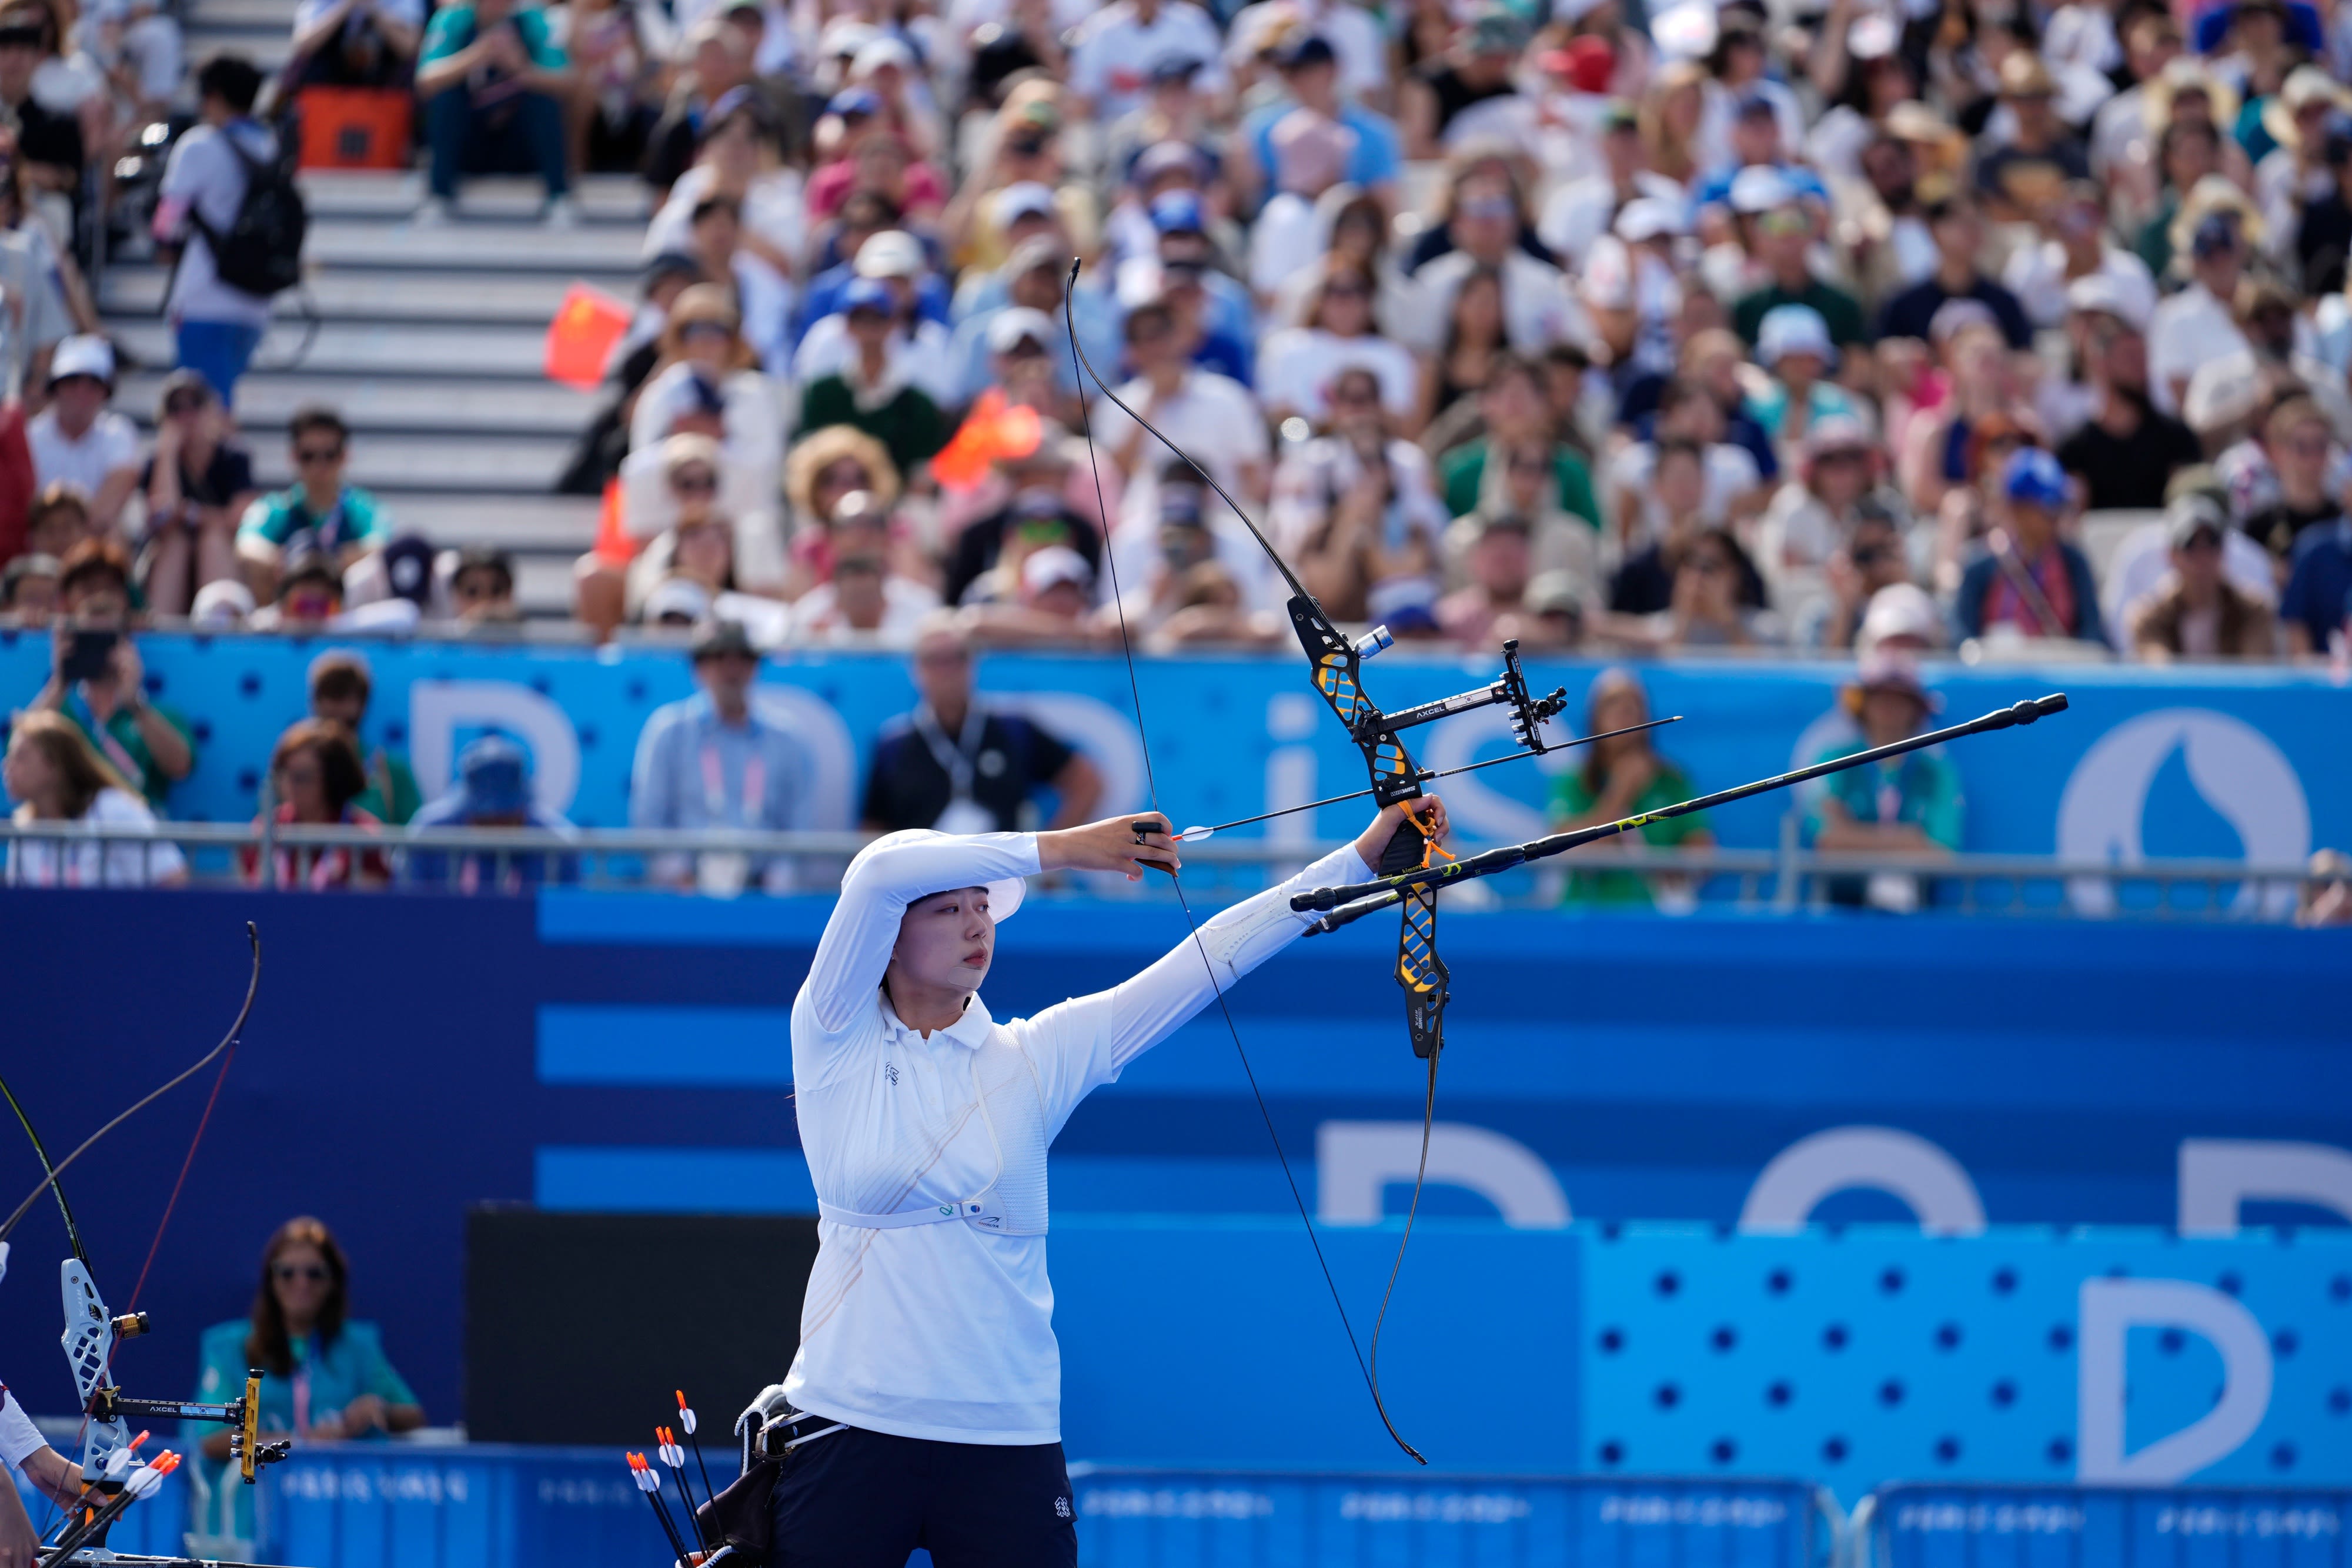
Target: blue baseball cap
(1179, 211)
(493, 778)
(2034, 477)
(868, 294)
(853, 101)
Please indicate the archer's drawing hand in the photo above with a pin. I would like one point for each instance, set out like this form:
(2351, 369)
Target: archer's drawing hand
(1111, 846)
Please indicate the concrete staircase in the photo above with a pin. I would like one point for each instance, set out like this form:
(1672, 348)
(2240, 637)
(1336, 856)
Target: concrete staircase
(428, 339)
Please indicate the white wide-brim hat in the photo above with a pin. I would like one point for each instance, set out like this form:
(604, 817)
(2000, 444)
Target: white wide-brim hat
(1004, 894)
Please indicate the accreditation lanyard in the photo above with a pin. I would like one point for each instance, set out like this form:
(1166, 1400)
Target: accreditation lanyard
(751, 803)
(955, 757)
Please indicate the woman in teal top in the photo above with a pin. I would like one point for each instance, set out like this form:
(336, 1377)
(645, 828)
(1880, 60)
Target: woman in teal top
(1911, 805)
(324, 1378)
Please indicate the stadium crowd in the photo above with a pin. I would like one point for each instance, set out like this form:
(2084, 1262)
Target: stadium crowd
(1619, 327)
(1870, 331)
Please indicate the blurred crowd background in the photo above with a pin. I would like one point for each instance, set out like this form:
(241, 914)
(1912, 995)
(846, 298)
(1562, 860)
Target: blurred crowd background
(1873, 332)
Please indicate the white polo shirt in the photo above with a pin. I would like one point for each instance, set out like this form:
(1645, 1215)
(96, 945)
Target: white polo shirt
(944, 1329)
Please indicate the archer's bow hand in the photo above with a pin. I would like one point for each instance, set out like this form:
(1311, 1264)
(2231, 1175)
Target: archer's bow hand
(1125, 844)
(1428, 813)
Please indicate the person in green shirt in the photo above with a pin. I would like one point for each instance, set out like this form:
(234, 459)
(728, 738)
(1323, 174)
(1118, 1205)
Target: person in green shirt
(1910, 805)
(1620, 778)
(494, 83)
(325, 1378)
(872, 392)
(1519, 419)
(340, 684)
(148, 744)
(1783, 237)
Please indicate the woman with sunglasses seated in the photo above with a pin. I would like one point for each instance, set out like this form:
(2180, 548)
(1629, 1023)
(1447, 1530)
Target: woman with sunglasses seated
(325, 1378)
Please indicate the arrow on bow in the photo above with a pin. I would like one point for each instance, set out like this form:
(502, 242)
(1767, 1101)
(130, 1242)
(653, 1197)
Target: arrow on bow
(1336, 664)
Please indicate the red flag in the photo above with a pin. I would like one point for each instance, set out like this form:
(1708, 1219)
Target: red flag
(580, 340)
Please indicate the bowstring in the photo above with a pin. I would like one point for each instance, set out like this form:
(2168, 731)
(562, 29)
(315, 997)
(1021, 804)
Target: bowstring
(1151, 786)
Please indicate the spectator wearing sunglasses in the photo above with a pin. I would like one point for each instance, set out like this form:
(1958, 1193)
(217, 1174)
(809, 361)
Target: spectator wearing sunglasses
(319, 510)
(326, 1376)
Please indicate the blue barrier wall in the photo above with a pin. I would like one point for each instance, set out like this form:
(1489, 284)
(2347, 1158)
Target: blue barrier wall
(413, 1055)
(2215, 762)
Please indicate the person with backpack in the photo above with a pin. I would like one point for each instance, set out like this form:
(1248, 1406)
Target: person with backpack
(230, 205)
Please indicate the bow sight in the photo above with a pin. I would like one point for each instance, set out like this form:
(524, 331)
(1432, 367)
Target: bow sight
(1394, 776)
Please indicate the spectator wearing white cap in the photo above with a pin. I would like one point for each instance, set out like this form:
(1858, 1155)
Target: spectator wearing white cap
(1017, 187)
(1782, 229)
(1054, 606)
(77, 440)
(1034, 280)
(920, 346)
(1792, 344)
(866, 217)
(1910, 805)
(1115, 50)
(1633, 294)
(2127, 451)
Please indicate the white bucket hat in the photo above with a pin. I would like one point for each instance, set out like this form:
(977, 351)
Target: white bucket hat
(1005, 895)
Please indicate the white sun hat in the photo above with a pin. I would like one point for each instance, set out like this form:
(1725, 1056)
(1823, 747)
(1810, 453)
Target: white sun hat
(1004, 894)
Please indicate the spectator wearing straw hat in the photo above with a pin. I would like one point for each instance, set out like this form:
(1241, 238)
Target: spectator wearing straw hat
(2025, 172)
(1909, 805)
(493, 790)
(2197, 613)
(2027, 578)
(77, 440)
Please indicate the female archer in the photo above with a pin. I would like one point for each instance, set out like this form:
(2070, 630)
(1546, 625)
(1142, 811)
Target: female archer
(928, 1381)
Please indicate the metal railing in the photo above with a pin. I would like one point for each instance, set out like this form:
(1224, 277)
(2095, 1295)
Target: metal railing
(1786, 880)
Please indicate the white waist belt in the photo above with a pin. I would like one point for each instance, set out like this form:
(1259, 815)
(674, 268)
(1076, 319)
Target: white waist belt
(982, 1213)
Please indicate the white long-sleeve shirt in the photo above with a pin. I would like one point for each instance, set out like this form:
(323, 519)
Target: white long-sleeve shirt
(19, 1439)
(944, 1331)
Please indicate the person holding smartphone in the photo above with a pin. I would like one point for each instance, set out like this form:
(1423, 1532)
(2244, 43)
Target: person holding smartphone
(198, 484)
(97, 681)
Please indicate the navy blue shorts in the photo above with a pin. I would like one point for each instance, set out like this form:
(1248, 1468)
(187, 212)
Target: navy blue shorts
(866, 1499)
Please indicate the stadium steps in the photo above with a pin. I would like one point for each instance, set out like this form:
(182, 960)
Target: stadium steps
(430, 341)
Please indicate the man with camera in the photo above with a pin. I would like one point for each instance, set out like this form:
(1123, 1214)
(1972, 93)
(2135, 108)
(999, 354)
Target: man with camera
(97, 681)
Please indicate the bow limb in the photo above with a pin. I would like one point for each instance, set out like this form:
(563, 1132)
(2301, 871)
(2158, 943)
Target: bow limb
(49, 1174)
(227, 1042)
(1301, 602)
